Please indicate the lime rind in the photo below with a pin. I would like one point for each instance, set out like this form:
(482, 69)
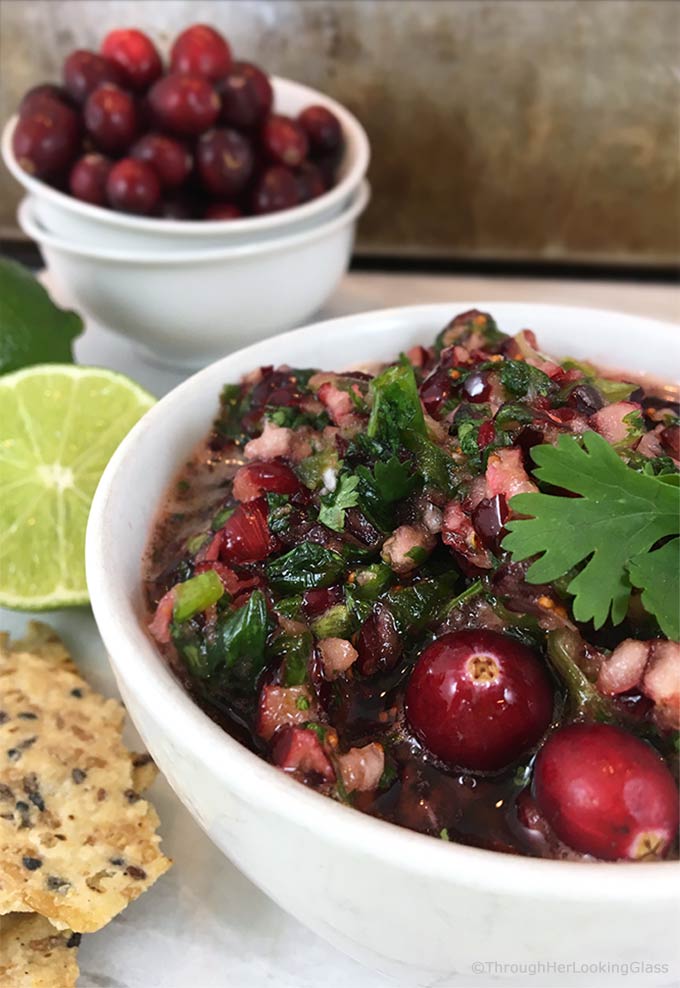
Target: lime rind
(59, 426)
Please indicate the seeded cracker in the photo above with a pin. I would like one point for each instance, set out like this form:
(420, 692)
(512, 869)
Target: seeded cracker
(35, 955)
(77, 842)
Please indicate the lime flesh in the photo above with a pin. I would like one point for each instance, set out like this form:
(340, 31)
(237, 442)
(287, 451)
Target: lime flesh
(59, 426)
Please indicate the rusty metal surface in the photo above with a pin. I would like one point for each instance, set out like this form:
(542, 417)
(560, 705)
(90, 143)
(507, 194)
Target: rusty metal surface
(537, 129)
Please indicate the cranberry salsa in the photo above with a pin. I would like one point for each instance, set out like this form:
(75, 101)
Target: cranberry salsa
(444, 593)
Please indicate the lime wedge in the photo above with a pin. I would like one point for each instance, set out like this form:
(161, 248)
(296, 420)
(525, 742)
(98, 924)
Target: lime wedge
(59, 425)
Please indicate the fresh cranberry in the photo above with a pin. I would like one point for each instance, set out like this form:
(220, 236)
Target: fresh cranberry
(315, 602)
(328, 166)
(136, 56)
(224, 160)
(476, 387)
(46, 142)
(255, 479)
(222, 211)
(585, 399)
(276, 189)
(378, 644)
(169, 158)
(88, 178)
(85, 70)
(179, 207)
(41, 96)
(434, 390)
(132, 187)
(200, 50)
(488, 519)
(246, 95)
(479, 699)
(606, 793)
(246, 537)
(284, 141)
(310, 181)
(322, 128)
(111, 118)
(184, 104)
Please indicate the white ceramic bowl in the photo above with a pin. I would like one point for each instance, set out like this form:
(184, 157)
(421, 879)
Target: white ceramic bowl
(396, 900)
(71, 219)
(186, 309)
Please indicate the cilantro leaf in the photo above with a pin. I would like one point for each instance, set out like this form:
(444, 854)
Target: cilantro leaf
(396, 405)
(334, 504)
(616, 521)
(33, 330)
(522, 379)
(392, 479)
(658, 574)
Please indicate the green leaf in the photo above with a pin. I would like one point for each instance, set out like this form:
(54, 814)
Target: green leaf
(296, 651)
(393, 480)
(308, 566)
(523, 380)
(312, 468)
(242, 636)
(657, 573)
(33, 330)
(619, 515)
(196, 595)
(396, 405)
(583, 698)
(435, 466)
(336, 622)
(370, 581)
(334, 504)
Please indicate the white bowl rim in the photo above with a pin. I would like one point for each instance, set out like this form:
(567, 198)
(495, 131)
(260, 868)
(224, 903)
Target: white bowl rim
(263, 785)
(356, 143)
(198, 255)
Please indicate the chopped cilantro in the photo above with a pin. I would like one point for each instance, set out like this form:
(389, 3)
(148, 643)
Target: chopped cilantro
(444, 834)
(335, 503)
(308, 566)
(418, 554)
(611, 528)
(302, 703)
(522, 380)
(279, 512)
(292, 417)
(396, 405)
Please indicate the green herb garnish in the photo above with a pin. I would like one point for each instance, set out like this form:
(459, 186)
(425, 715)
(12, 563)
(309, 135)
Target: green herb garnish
(335, 503)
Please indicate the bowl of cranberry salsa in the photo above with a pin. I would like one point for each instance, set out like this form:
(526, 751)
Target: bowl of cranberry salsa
(422, 613)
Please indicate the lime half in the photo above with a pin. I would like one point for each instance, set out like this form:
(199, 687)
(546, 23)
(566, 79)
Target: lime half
(59, 425)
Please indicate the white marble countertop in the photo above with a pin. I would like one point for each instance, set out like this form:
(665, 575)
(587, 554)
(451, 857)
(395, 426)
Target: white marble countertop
(204, 925)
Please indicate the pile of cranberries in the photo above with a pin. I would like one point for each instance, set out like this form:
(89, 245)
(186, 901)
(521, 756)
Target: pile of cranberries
(198, 141)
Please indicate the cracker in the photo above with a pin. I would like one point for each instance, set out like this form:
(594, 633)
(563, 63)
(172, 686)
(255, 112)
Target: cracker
(33, 954)
(77, 842)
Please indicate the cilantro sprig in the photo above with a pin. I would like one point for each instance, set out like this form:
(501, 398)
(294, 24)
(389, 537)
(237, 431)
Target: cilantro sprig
(335, 503)
(613, 529)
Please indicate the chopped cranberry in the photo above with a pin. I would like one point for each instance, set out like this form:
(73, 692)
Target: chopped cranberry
(224, 159)
(315, 602)
(136, 56)
(201, 50)
(222, 211)
(246, 537)
(670, 440)
(479, 699)
(486, 434)
(476, 387)
(277, 189)
(85, 70)
(132, 187)
(434, 390)
(284, 140)
(379, 645)
(310, 181)
(246, 95)
(111, 118)
(169, 158)
(606, 793)
(185, 105)
(88, 178)
(41, 96)
(488, 519)
(297, 749)
(585, 399)
(46, 141)
(255, 479)
(322, 128)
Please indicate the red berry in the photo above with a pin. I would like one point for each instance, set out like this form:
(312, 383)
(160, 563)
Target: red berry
(255, 479)
(246, 537)
(224, 160)
(169, 158)
(88, 178)
(246, 95)
(328, 166)
(184, 104)
(46, 142)
(284, 140)
(479, 699)
(200, 50)
(111, 118)
(476, 387)
(222, 211)
(276, 189)
(179, 208)
(310, 181)
(315, 602)
(135, 54)
(85, 70)
(132, 187)
(41, 96)
(605, 792)
(488, 518)
(322, 128)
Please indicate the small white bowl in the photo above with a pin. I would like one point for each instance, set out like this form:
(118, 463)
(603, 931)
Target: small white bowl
(72, 219)
(428, 911)
(190, 307)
